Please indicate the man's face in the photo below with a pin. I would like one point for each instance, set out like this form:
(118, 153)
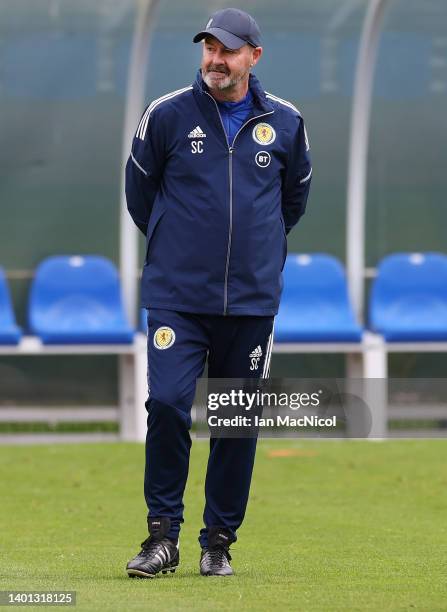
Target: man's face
(223, 68)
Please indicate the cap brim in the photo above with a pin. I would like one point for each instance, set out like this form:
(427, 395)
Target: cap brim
(230, 41)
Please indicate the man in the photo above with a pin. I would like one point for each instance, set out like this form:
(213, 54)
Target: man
(219, 173)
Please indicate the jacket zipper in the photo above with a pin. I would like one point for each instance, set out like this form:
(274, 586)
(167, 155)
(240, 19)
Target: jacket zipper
(230, 176)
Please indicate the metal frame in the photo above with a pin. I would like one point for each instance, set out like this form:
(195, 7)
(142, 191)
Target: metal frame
(131, 411)
(366, 360)
(32, 345)
(138, 69)
(376, 367)
(318, 347)
(382, 348)
(358, 152)
(131, 399)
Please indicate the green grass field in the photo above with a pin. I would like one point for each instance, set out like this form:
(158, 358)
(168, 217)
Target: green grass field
(330, 526)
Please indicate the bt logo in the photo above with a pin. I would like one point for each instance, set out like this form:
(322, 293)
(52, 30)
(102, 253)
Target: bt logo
(263, 159)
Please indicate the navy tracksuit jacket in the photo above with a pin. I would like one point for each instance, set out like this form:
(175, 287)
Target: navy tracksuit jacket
(215, 215)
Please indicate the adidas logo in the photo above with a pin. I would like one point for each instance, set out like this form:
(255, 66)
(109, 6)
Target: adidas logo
(197, 133)
(257, 352)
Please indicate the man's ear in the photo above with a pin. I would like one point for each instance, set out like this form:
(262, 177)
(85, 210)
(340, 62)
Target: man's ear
(256, 56)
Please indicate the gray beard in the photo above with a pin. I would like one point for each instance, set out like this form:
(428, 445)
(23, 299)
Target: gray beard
(227, 83)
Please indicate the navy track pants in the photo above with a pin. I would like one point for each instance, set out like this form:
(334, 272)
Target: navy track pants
(172, 373)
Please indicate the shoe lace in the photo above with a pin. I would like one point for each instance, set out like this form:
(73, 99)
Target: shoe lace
(218, 556)
(150, 545)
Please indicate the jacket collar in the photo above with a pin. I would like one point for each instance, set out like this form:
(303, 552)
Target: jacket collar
(254, 85)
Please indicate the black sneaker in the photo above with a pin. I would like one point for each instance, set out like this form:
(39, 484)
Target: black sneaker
(158, 553)
(215, 558)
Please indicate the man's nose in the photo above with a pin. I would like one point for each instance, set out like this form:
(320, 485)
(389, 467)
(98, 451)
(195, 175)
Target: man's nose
(218, 57)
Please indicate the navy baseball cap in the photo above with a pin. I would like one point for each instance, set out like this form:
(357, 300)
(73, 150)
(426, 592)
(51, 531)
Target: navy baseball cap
(233, 28)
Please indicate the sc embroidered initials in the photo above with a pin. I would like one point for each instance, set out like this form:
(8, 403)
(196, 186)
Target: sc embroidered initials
(196, 145)
(255, 357)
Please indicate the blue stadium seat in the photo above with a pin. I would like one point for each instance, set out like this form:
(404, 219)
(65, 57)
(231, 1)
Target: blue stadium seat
(77, 300)
(408, 301)
(9, 332)
(315, 306)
